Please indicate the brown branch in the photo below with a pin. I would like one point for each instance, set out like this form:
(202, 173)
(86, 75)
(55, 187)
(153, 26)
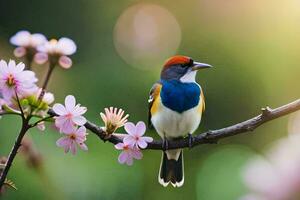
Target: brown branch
(211, 136)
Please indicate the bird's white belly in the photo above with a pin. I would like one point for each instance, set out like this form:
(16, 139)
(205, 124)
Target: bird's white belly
(171, 124)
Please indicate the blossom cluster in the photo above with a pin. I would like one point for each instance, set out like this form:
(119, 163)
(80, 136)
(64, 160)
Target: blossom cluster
(133, 142)
(70, 123)
(21, 94)
(37, 47)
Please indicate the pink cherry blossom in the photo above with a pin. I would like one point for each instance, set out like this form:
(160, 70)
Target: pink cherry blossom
(135, 135)
(70, 115)
(113, 119)
(128, 153)
(71, 140)
(56, 48)
(13, 78)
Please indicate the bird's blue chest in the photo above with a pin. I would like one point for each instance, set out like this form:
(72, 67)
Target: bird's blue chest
(179, 96)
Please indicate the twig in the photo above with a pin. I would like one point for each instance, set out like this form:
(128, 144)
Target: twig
(48, 75)
(19, 105)
(41, 120)
(211, 136)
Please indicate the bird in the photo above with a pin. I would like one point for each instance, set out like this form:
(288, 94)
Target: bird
(176, 103)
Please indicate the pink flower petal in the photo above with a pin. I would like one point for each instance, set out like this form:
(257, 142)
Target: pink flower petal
(66, 46)
(123, 157)
(79, 120)
(137, 154)
(65, 62)
(130, 128)
(129, 161)
(129, 140)
(37, 39)
(63, 142)
(40, 58)
(67, 127)
(79, 110)
(142, 144)
(81, 131)
(73, 148)
(70, 103)
(19, 52)
(119, 146)
(11, 66)
(59, 109)
(83, 146)
(147, 139)
(21, 38)
(67, 148)
(140, 128)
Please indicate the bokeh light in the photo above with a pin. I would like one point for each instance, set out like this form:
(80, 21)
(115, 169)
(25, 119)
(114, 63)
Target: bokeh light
(146, 34)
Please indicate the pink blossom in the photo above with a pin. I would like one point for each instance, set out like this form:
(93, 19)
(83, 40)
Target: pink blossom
(113, 119)
(76, 136)
(128, 153)
(13, 78)
(56, 48)
(135, 135)
(70, 115)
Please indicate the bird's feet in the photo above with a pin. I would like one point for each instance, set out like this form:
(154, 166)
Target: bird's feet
(165, 144)
(191, 140)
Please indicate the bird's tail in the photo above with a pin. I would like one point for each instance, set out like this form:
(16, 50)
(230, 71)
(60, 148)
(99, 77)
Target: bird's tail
(171, 168)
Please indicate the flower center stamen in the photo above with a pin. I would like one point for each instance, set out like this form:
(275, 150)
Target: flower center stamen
(72, 136)
(53, 41)
(10, 80)
(69, 115)
(126, 147)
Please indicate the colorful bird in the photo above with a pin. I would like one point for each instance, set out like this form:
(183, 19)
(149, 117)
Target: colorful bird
(176, 104)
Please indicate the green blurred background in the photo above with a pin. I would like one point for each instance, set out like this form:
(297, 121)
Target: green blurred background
(254, 46)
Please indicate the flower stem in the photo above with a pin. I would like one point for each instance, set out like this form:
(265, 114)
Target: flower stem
(46, 81)
(28, 60)
(14, 151)
(48, 75)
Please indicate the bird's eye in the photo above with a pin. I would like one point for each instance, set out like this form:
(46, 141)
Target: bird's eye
(183, 65)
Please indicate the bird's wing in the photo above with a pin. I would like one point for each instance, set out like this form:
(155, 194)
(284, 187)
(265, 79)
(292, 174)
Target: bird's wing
(154, 93)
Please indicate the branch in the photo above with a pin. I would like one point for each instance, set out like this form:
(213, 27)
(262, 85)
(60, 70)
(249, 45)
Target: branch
(211, 136)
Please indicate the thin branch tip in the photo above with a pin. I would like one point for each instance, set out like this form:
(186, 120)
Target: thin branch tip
(266, 111)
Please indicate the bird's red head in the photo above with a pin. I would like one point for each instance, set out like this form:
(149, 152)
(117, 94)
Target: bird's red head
(178, 66)
(178, 59)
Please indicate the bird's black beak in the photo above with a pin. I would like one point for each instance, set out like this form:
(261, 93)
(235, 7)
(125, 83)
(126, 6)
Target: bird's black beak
(198, 65)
